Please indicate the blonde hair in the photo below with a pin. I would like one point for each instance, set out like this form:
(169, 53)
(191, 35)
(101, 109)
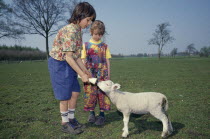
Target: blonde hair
(98, 25)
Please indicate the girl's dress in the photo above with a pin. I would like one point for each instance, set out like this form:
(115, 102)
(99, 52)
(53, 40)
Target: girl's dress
(96, 54)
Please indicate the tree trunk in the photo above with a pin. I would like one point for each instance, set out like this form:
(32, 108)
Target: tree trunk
(47, 47)
(159, 52)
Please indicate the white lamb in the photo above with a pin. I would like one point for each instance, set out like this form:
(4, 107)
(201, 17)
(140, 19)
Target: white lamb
(138, 103)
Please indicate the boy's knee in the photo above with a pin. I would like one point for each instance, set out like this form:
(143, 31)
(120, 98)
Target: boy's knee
(74, 95)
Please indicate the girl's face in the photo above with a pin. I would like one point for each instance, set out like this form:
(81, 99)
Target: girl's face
(96, 36)
(85, 22)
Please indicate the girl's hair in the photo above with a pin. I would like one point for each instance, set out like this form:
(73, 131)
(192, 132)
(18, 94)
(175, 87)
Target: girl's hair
(99, 26)
(81, 11)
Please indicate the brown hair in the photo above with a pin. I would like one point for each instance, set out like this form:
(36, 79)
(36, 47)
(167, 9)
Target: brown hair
(98, 25)
(81, 11)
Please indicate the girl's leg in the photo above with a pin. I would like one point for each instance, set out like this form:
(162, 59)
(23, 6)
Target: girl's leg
(90, 100)
(90, 97)
(104, 104)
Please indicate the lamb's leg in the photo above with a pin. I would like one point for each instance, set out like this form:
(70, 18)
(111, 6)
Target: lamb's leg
(170, 126)
(159, 114)
(126, 117)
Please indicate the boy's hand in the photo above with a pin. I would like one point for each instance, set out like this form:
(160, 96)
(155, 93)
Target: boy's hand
(88, 73)
(85, 78)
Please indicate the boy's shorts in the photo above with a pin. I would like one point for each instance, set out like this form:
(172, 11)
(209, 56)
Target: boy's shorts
(63, 78)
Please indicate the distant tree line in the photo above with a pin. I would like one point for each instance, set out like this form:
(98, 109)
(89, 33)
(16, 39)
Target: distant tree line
(20, 53)
(190, 51)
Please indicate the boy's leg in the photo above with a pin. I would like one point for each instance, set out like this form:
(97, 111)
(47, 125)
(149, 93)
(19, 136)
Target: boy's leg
(64, 110)
(71, 110)
(73, 101)
(72, 105)
(66, 126)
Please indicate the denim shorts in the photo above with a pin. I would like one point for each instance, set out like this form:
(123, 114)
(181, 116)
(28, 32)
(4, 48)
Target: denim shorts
(63, 78)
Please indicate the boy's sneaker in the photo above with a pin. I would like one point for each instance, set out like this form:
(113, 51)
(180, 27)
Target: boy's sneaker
(76, 123)
(91, 118)
(69, 128)
(100, 120)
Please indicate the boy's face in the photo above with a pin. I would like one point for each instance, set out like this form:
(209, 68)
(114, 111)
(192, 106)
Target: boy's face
(96, 36)
(85, 22)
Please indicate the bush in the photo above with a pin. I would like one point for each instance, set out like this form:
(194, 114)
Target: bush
(19, 53)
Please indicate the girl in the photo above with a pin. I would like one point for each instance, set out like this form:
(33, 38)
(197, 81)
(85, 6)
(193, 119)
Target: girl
(65, 63)
(96, 56)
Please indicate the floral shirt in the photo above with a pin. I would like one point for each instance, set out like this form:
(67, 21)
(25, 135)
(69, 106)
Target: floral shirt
(69, 38)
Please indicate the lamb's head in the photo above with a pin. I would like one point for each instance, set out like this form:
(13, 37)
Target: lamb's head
(108, 86)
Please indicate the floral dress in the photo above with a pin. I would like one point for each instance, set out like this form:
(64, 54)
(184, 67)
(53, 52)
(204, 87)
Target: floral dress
(95, 55)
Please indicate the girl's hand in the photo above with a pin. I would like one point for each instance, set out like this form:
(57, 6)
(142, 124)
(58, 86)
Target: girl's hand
(85, 78)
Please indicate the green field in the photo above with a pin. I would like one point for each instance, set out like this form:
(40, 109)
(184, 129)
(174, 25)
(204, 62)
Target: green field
(28, 108)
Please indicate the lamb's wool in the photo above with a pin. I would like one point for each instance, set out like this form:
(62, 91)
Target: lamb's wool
(139, 103)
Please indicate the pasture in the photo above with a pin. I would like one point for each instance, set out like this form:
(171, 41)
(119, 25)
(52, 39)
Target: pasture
(28, 108)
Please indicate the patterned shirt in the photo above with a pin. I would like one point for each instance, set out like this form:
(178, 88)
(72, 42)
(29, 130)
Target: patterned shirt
(95, 54)
(95, 47)
(68, 39)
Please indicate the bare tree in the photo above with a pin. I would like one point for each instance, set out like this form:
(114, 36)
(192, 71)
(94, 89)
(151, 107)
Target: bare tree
(8, 28)
(190, 49)
(161, 37)
(174, 52)
(43, 17)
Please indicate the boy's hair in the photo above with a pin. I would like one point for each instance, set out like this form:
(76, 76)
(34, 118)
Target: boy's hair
(98, 25)
(81, 11)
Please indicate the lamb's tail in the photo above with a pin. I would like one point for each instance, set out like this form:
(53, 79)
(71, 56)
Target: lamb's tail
(165, 104)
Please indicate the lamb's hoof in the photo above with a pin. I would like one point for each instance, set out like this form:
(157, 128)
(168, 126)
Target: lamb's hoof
(124, 135)
(166, 134)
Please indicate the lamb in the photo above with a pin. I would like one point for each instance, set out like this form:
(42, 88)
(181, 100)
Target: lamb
(138, 103)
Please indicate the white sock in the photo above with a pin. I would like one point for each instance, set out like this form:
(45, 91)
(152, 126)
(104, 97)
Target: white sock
(71, 113)
(64, 116)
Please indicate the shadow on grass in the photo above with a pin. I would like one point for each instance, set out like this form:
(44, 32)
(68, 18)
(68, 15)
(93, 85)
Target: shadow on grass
(110, 117)
(142, 124)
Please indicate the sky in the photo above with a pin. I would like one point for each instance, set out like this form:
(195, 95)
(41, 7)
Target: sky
(131, 23)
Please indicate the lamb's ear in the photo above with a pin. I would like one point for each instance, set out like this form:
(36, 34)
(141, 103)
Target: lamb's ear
(116, 86)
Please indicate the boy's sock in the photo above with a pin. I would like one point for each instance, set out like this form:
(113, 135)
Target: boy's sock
(92, 112)
(102, 114)
(71, 113)
(64, 116)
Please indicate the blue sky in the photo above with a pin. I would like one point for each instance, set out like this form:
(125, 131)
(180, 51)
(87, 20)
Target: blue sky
(131, 23)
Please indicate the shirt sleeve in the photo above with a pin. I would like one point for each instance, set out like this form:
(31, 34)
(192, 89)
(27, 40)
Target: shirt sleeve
(68, 40)
(108, 54)
(83, 54)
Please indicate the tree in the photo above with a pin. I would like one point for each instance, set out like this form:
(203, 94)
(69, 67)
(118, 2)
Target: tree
(190, 49)
(8, 28)
(161, 37)
(174, 52)
(42, 17)
(205, 52)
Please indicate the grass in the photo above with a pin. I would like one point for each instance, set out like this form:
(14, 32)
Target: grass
(28, 108)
